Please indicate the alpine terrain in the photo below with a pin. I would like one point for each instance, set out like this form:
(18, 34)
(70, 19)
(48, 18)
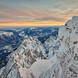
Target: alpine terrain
(42, 54)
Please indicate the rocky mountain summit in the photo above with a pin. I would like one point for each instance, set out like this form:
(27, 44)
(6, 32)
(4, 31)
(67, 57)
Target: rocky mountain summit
(56, 58)
(29, 51)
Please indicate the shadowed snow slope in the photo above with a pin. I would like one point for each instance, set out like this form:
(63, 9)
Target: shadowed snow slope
(52, 46)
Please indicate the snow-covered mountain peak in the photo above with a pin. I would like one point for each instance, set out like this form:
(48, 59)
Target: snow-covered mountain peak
(30, 50)
(32, 44)
(72, 23)
(6, 33)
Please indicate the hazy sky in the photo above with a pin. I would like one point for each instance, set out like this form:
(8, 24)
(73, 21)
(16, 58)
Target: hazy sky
(36, 12)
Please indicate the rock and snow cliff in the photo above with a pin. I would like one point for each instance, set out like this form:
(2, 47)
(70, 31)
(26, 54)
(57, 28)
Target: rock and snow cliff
(31, 44)
(67, 65)
(52, 46)
(30, 50)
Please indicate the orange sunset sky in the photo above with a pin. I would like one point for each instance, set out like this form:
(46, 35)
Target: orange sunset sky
(37, 12)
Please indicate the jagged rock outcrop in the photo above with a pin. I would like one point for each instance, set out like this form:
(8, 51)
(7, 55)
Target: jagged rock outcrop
(32, 44)
(29, 51)
(22, 66)
(67, 65)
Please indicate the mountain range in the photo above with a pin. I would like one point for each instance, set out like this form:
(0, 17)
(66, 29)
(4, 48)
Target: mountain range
(42, 52)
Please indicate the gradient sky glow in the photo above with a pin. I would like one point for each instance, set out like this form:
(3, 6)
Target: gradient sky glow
(36, 12)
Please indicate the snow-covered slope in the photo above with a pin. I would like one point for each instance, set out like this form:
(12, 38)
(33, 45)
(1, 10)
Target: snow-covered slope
(42, 65)
(52, 46)
(67, 66)
(10, 70)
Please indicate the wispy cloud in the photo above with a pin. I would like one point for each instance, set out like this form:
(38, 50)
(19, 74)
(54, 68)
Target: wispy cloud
(36, 11)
